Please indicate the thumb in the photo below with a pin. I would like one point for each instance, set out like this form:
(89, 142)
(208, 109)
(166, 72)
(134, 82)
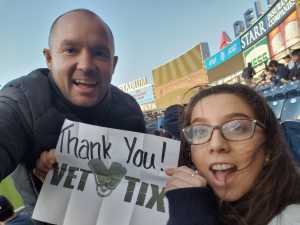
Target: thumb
(170, 171)
(51, 156)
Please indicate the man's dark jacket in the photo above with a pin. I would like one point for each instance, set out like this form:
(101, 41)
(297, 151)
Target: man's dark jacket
(32, 111)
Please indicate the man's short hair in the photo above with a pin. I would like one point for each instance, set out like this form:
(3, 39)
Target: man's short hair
(6, 208)
(87, 11)
(288, 56)
(296, 52)
(273, 63)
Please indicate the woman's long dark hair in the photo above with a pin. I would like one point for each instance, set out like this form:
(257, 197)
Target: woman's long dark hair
(278, 184)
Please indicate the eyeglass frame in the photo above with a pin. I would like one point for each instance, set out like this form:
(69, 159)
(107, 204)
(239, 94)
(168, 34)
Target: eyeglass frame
(219, 127)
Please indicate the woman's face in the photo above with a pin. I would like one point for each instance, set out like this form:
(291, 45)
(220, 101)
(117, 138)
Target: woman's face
(230, 167)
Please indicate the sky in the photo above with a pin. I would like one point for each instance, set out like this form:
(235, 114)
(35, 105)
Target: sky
(147, 33)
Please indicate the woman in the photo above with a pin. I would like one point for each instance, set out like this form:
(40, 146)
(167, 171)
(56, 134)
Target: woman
(242, 170)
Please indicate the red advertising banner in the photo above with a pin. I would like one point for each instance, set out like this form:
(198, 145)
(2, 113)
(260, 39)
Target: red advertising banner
(285, 35)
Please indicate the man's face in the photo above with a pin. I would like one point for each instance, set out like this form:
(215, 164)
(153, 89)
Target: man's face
(287, 60)
(272, 69)
(81, 58)
(296, 58)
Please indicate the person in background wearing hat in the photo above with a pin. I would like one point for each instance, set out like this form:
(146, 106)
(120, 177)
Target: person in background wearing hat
(9, 217)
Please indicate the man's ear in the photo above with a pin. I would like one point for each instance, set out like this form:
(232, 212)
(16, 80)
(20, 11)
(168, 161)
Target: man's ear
(48, 57)
(115, 63)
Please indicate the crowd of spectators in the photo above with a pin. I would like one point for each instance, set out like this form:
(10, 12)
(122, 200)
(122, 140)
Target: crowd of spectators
(276, 72)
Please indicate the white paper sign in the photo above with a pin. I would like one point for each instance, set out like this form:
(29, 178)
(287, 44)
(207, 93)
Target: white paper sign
(107, 177)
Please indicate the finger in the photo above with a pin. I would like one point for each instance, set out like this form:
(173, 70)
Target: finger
(41, 162)
(191, 179)
(171, 171)
(50, 159)
(185, 169)
(177, 184)
(46, 161)
(40, 175)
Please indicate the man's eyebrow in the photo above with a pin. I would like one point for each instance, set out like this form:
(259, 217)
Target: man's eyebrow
(68, 42)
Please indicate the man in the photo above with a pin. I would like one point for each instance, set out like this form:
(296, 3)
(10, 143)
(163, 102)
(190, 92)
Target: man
(9, 217)
(248, 74)
(289, 63)
(295, 71)
(76, 86)
(279, 72)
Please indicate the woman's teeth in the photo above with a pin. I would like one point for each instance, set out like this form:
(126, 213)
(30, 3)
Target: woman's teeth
(222, 166)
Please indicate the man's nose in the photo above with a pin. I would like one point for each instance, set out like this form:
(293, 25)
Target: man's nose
(86, 61)
(217, 142)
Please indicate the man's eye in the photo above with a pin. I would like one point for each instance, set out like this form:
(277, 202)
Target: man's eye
(70, 51)
(101, 53)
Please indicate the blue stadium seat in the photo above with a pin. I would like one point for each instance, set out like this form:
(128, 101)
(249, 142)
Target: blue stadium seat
(291, 130)
(293, 88)
(291, 109)
(277, 106)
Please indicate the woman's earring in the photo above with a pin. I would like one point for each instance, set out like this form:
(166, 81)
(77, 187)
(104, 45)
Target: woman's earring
(267, 159)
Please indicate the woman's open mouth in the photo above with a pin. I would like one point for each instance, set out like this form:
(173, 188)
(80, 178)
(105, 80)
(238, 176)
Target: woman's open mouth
(222, 173)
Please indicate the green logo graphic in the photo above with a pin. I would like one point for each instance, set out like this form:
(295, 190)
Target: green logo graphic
(106, 179)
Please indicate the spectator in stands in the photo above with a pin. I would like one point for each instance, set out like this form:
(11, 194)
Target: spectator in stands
(248, 74)
(289, 63)
(295, 71)
(265, 77)
(237, 167)
(9, 217)
(173, 119)
(76, 86)
(279, 72)
(163, 133)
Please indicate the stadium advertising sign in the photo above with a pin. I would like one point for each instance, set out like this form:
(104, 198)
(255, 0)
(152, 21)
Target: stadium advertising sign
(258, 54)
(226, 53)
(141, 89)
(258, 30)
(143, 95)
(285, 35)
(173, 79)
(278, 12)
(133, 85)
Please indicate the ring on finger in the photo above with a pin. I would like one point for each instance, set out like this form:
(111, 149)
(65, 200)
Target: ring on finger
(194, 172)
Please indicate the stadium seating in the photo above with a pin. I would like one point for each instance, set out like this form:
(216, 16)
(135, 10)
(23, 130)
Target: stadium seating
(285, 103)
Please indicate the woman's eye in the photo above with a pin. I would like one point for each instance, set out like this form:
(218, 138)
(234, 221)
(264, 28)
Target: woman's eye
(237, 127)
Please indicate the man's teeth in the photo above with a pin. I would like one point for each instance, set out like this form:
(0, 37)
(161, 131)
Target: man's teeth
(222, 166)
(85, 82)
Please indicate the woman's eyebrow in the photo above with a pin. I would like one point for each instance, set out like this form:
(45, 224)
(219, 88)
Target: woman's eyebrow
(226, 117)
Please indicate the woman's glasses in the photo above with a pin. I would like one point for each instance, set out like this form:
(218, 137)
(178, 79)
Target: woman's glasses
(233, 130)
